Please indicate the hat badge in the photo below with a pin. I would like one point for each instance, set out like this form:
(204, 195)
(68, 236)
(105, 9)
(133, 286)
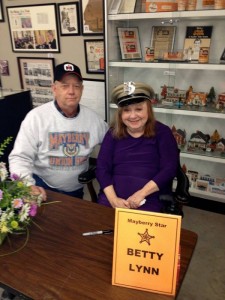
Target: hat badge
(68, 67)
(129, 87)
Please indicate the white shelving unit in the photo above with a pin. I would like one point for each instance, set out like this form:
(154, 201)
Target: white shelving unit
(201, 76)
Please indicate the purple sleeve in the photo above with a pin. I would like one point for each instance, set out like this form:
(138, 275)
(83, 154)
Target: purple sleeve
(169, 156)
(104, 162)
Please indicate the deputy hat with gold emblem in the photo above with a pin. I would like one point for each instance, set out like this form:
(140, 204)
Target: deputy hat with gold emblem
(131, 92)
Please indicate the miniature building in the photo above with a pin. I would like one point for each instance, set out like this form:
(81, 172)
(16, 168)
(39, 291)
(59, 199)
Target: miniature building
(179, 135)
(220, 146)
(174, 95)
(208, 178)
(196, 99)
(221, 100)
(198, 140)
(193, 174)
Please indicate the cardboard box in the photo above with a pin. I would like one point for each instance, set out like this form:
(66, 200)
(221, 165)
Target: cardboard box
(160, 6)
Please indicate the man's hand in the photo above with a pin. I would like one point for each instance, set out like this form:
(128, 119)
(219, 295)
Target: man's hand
(37, 190)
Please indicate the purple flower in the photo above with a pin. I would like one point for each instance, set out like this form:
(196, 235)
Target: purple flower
(14, 177)
(33, 210)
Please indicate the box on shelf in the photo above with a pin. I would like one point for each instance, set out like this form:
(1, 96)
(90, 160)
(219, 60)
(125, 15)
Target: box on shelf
(160, 6)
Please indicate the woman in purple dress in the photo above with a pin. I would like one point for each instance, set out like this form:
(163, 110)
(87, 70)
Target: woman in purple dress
(139, 157)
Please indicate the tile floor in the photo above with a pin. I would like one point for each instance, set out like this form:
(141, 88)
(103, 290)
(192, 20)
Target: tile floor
(205, 279)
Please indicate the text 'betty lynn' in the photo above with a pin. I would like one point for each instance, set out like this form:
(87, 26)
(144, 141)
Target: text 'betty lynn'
(150, 224)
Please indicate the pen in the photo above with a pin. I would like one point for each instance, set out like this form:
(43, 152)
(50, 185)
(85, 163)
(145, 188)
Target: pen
(98, 232)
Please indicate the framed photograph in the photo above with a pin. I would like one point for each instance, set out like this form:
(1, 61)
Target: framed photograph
(1, 12)
(222, 57)
(4, 67)
(92, 17)
(36, 75)
(162, 40)
(69, 18)
(94, 56)
(129, 43)
(33, 28)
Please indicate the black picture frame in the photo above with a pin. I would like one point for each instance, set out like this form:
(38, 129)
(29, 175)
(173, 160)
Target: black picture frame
(69, 19)
(222, 57)
(92, 17)
(33, 28)
(1, 12)
(94, 56)
(37, 75)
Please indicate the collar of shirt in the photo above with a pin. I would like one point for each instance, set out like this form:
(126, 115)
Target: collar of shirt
(59, 109)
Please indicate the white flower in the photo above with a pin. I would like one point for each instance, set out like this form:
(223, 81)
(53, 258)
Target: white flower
(3, 171)
(24, 213)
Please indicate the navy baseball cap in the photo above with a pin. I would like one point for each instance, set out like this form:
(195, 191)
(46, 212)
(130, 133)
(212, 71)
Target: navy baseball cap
(67, 68)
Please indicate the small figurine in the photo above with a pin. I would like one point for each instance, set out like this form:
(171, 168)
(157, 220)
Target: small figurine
(211, 97)
(164, 91)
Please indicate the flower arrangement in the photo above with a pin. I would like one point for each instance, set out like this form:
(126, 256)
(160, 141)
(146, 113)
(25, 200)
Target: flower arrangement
(17, 203)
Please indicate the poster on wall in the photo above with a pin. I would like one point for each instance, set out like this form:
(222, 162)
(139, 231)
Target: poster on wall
(69, 18)
(36, 75)
(94, 56)
(92, 17)
(33, 28)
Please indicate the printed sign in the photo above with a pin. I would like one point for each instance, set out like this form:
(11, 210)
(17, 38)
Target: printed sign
(146, 251)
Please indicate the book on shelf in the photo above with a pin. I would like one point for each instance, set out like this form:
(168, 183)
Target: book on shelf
(196, 37)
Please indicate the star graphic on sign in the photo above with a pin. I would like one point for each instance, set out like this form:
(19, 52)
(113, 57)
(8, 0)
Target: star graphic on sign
(145, 237)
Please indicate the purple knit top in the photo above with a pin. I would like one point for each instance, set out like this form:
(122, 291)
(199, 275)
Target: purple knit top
(129, 163)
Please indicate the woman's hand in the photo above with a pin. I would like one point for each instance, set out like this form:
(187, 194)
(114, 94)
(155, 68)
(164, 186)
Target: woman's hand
(37, 190)
(119, 202)
(135, 199)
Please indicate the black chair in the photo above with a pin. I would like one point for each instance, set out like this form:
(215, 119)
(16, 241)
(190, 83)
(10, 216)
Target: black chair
(173, 202)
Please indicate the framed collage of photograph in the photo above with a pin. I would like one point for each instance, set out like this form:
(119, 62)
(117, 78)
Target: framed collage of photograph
(36, 75)
(129, 43)
(69, 18)
(33, 28)
(1, 12)
(162, 40)
(94, 56)
(92, 17)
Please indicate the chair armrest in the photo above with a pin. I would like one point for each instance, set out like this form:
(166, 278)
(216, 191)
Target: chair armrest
(181, 193)
(89, 175)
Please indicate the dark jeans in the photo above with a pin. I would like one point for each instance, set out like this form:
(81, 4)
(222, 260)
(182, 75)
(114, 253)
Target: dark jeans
(39, 182)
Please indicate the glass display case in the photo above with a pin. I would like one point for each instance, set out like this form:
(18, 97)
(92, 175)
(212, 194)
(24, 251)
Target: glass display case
(193, 85)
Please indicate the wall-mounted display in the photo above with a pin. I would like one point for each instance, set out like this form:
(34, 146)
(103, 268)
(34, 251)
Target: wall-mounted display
(33, 28)
(94, 56)
(36, 75)
(92, 17)
(1, 12)
(69, 18)
(129, 43)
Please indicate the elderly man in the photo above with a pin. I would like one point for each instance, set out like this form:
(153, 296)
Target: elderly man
(56, 139)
